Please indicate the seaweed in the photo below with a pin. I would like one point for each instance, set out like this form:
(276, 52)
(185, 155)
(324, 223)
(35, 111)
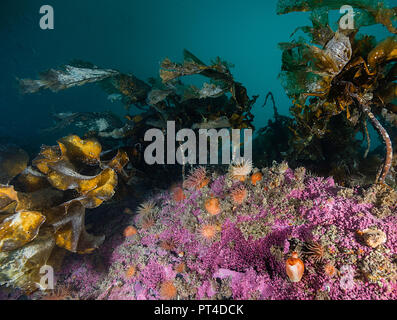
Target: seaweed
(340, 73)
(42, 211)
(367, 12)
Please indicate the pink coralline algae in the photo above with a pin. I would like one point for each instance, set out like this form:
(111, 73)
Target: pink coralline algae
(244, 256)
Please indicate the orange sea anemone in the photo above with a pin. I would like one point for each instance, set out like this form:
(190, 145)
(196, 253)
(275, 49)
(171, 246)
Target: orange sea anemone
(180, 268)
(239, 194)
(168, 290)
(208, 231)
(177, 194)
(130, 231)
(212, 206)
(256, 177)
(329, 270)
(198, 179)
(130, 272)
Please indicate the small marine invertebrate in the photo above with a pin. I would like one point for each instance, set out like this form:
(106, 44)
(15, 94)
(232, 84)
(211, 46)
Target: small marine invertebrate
(294, 267)
(256, 177)
(178, 194)
(208, 231)
(315, 251)
(168, 290)
(347, 269)
(180, 268)
(168, 245)
(197, 179)
(146, 222)
(373, 237)
(330, 269)
(146, 208)
(377, 266)
(130, 231)
(240, 169)
(147, 215)
(128, 211)
(130, 272)
(239, 194)
(212, 206)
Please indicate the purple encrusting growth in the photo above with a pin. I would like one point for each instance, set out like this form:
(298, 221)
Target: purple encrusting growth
(245, 258)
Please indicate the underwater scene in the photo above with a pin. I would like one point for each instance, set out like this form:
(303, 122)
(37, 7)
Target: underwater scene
(198, 150)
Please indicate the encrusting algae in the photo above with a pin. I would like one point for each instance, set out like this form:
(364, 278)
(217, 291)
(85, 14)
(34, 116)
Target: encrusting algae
(296, 241)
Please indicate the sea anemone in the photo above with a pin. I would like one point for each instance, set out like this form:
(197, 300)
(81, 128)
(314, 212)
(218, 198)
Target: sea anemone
(128, 211)
(168, 290)
(208, 231)
(239, 194)
(315, 251)
(240, 169)
(177, 194)
(130, 231)
(256, 177)
(212, 206)
(146, 208)
(197, 179)
(180, 268)
(329, 270)
(146, 222)
(168, 245)
(130, 272)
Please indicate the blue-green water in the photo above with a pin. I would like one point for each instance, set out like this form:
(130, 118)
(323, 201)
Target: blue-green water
(134, 36)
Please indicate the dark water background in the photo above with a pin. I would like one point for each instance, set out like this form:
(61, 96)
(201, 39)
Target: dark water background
(134, 36)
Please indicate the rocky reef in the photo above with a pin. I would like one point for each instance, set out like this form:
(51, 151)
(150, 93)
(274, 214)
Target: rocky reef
(230, 237)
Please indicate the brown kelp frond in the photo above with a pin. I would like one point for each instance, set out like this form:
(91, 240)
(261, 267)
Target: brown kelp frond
(197, 179)
(367, 12)
(219, 72)
(41, 216)
(64, 78)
